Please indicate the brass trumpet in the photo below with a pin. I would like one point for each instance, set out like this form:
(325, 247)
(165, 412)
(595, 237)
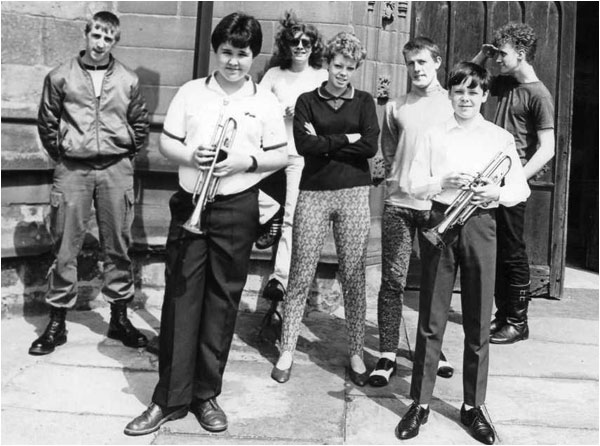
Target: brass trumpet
(206, 182)
(461, 208)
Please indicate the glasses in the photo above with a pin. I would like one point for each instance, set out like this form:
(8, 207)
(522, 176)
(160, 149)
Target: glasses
(306, 43)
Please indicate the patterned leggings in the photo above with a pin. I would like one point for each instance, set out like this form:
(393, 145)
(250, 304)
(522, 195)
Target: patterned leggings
(348, 209)
(397, 236)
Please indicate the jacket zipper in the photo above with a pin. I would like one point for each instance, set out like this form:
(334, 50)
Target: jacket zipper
(97, 105)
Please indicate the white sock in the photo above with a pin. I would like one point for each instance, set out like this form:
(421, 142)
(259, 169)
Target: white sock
(389, 355)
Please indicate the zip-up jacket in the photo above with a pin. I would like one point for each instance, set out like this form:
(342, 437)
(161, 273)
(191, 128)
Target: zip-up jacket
(73, 123)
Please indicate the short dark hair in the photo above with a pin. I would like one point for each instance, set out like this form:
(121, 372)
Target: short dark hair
(290, 27)
(477, 75)
(520, 35)
(108, 19)
(346, 44)
(422, 43)
(239, 29)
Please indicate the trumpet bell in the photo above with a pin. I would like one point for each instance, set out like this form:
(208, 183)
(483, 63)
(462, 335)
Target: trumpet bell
(433, 237)
(192, 227)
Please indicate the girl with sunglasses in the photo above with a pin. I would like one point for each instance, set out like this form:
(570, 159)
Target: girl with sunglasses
(296, 69)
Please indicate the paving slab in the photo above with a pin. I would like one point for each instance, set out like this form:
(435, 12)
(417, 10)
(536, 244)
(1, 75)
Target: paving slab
(29, 426)
(79, 390)
(516, 434)
(564, 403)
(258, 407)
(373, 421)
(170, 438)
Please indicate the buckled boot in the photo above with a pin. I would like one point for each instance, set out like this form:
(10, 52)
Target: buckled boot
(122, 329)
(499, 320)
(516, 328)
(54, 335)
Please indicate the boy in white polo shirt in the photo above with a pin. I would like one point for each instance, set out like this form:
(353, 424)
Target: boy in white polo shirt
(205, 273)
(449, 157)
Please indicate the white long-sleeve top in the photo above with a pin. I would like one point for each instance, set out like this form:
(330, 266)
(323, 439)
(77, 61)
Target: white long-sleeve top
(450, 147)
(287, 85)
(404, 120)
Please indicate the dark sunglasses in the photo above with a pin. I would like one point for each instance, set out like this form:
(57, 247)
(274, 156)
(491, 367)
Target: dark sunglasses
(306, 43)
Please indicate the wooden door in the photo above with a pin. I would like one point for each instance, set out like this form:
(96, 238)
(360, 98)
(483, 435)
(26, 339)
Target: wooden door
(460, 28)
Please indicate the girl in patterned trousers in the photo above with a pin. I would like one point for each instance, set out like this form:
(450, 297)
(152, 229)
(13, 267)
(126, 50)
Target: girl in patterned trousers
(335, 129)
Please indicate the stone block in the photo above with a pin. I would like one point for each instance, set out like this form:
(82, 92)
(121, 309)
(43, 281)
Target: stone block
(20, 142)
(21, 39)
(60, 10)
(188, 9)
(175, 67)
(61, 40)
(142, 31)
(328, 30)
(390, 48)
(158, 97)
(155, 8)
(22, 87)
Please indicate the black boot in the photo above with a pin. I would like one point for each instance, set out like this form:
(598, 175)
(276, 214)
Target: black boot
(516, 328)
(54, 335)
(501, 300)
(499, 320)
(122, 329)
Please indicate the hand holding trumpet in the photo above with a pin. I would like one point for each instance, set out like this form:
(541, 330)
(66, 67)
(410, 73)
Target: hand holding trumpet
(227, 163)
(484, 189)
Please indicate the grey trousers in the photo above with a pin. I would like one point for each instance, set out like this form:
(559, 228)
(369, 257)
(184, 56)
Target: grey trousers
(75, 188)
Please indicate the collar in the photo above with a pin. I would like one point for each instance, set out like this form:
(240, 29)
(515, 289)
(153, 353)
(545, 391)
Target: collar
(347, 94)
(452, 123)
(94, 67)
(248, 89)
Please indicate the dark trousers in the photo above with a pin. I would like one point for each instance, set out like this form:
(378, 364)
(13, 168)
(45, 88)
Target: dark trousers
(204, 279)
(472, 248)
(76, 186)
(512, 266)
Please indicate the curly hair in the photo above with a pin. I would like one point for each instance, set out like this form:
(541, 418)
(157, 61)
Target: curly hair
(520, 35)
(289, 28)
(346, 44)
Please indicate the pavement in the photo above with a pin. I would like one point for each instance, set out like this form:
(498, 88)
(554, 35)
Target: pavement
(541, 391)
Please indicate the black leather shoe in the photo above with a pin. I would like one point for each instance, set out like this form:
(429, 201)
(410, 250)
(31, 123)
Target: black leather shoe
(210, 416)
(281, 376)
(360, 379)
(411, 422)
(384, 370)
(153, 418)
(121, 328)
(154, 345)
(445, 369)
(271, 231)
(54, 335)
(274, 291)
(478, 426)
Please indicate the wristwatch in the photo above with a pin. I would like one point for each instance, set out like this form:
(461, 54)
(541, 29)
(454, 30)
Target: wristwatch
(253, 166)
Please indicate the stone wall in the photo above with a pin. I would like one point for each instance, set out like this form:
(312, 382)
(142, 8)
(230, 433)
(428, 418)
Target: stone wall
(158, 42)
